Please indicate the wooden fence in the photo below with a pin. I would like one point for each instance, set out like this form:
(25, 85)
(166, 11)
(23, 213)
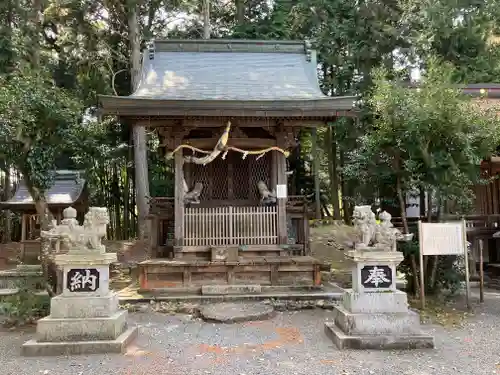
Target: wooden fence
(230, 226)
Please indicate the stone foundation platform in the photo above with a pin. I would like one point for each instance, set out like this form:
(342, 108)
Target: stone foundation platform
(118, 345)
(157, 274)
(92, 325)
(83, 321)
(379, 320)
(378, 342)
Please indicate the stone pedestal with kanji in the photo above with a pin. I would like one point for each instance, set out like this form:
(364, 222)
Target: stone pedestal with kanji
(374, 314)
(85, 318)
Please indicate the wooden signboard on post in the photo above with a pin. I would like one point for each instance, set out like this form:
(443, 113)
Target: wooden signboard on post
(443, 239)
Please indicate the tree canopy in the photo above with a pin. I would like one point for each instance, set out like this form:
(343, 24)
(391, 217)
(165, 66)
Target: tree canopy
(428, 138)
(56, 57)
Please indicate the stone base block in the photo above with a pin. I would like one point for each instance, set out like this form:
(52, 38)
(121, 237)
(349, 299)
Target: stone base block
(230, 289)
(377, 302)
(119, 345)
(379, 342)
(78, 307)
(376, 323)
(81, 329)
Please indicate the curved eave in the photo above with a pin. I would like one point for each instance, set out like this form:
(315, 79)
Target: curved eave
(29, 205)
(129, 106)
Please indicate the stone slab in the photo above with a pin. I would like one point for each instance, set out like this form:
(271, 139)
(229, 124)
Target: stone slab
(20, 273)
(376, 323)
(119, 345)
(236, 312)
(85, 259)
(167, 297)
(377, 302)
(14, 278)
(380, 342)
(230, 289)
(78, 329)
(89, 307)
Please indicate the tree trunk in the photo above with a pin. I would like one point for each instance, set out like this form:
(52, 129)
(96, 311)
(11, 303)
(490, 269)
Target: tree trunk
(139, 132)
(45, 218)
(206, 19)
(402, 208)
(343, 191)
(429, 206)
(8, 213)
(240, 12)
(118, 232)
(35, 25)
(331, 147)
(435, 258)
(414, 268)
(422, 202)
(6, 34)
(126, 196)
(402, 204)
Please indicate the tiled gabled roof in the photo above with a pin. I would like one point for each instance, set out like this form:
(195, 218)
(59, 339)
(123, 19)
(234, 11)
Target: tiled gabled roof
(245, 74)
(258, 75)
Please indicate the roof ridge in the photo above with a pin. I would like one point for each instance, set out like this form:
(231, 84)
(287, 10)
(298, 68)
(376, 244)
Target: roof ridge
(231, 45)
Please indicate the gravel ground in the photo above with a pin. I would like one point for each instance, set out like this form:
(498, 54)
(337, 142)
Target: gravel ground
(292, 343)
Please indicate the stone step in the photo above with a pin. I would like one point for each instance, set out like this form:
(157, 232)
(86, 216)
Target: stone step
(236, 312)
(15, 278)
(65, 348)
(378, 342)
(230, 289)
(327, 296)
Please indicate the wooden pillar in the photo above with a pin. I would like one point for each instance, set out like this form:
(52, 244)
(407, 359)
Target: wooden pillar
(23, 236)
(179, 200)
(274, 171)
(317, 198)
(474, 255)
(281, 179)
(23, 227)
(153, 240)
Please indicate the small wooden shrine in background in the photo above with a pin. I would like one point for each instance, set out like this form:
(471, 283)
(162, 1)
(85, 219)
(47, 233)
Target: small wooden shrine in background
(69, 189)
(228, 112)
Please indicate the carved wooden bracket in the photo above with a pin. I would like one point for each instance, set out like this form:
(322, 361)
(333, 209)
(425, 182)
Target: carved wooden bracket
(238, 133)
(290, 137)
(172, 136)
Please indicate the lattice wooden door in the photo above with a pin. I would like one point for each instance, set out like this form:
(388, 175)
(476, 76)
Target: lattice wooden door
(234, 178)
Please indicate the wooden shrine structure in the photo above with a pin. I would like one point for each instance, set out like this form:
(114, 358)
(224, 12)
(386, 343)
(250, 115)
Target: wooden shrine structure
(228, 112)
(68, 189)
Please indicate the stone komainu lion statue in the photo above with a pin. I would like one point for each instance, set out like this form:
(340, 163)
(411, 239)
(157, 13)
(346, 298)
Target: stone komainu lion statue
(86, 237)
(267, 197)
(364, 220)
(95, 227)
